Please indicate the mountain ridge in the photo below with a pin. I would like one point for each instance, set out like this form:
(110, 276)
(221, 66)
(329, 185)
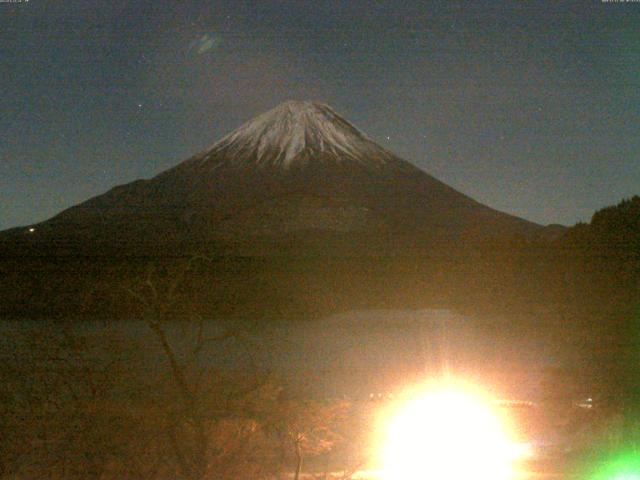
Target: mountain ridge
(299, 167)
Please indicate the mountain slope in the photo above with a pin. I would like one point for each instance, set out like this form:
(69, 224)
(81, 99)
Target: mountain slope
(296, 169)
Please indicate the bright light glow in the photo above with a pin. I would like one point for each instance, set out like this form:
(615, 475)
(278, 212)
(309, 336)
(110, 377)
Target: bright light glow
(620, 465)
(448, 433)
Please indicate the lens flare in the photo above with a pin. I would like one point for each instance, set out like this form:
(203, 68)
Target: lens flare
(448, 434)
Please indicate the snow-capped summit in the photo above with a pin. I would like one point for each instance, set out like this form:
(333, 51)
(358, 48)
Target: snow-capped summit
(295, 132)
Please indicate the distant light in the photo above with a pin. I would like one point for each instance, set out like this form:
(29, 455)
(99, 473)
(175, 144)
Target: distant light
(31, 230)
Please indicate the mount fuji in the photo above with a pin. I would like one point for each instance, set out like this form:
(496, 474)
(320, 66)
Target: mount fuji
(297, 173)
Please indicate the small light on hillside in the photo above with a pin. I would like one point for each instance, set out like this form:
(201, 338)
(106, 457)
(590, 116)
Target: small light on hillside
(31, 230)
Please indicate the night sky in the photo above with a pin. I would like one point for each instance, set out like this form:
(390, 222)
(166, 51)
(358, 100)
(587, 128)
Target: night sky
(530, 107)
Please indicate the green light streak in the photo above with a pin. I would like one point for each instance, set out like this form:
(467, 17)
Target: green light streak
(625, 466)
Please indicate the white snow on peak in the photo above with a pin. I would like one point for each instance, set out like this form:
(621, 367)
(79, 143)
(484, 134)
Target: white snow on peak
(283, 133)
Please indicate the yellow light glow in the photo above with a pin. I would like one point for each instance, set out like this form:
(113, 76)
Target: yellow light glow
(448, 433)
